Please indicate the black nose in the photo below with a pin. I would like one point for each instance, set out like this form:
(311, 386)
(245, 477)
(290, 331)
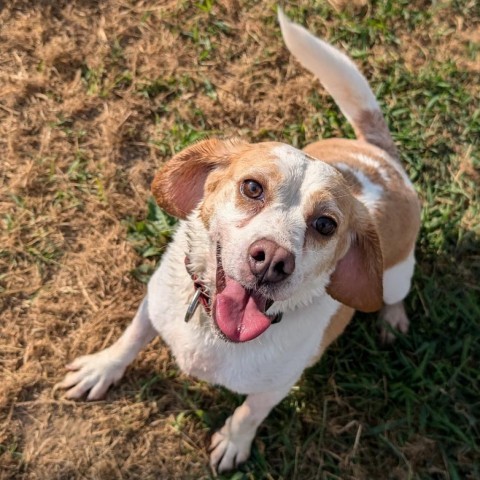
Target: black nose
(270, 262)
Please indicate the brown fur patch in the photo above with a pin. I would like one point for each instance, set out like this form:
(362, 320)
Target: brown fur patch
(331, 203)
(342, 151)
(264, 171)
(353, 185)
(371, 127)
(335, 328)
(397, 218)
(178, 187)
(254, 162)
(357, 280)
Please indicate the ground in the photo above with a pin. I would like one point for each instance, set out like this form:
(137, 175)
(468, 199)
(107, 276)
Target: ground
(94, 97)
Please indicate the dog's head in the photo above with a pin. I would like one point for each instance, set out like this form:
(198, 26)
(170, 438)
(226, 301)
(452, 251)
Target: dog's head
(270, 224)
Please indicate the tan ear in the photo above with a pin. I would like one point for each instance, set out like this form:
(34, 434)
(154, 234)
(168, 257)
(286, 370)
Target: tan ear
(357, 280)
(178, 186)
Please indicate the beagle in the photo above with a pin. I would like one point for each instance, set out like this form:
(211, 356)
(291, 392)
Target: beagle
(275, 250)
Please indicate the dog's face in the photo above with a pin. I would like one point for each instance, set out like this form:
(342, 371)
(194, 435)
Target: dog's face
(280, 226)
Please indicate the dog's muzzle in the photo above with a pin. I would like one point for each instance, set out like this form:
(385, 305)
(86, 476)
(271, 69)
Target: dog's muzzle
(203, 296)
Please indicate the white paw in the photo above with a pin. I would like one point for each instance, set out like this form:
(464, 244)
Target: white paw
(396, 317)
(92, 373)
(227, 450)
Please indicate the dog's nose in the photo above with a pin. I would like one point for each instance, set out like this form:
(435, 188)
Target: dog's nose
(270, 262)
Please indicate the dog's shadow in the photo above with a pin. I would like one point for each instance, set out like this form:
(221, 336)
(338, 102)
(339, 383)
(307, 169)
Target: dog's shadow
(405, 392)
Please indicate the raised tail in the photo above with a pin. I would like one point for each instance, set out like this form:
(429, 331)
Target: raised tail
(342, 79)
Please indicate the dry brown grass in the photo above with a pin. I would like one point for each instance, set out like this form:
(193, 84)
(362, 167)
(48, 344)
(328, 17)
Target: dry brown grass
(79, 142)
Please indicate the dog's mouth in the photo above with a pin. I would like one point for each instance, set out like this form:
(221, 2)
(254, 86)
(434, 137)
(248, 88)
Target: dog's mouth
(239, 312)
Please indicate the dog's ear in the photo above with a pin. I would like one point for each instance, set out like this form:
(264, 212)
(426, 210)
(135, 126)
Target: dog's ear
(178, 186)
(357, 280)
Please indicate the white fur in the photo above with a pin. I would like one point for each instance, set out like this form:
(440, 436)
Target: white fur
(399, 169)
(231, 444)
(273, 361)
(337, 73)
(382, 169)
(372, 193)
(396, 285)
(376, 164)
(397, 280)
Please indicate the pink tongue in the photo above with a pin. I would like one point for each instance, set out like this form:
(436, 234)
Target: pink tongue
(239, 313)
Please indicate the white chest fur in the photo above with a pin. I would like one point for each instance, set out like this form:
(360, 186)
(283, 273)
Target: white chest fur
(274, 360)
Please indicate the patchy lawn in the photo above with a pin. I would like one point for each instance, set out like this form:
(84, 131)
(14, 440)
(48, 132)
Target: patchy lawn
(94, 97)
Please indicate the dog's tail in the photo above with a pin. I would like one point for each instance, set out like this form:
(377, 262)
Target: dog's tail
(342, 79)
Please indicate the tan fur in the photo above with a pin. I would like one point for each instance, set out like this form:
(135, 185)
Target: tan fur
(398, 214)
(371, 127)
(234, 173)
(190, 168)
(357, 278)
(335, 328)
(339, 150)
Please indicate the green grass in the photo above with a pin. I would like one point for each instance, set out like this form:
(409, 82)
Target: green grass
(414, 406)
(149, 238)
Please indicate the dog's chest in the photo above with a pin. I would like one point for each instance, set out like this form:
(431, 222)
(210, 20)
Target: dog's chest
(273, 360)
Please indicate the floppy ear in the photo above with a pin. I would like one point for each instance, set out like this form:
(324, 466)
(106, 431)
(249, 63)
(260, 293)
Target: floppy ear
(357, 280)
(178, 186)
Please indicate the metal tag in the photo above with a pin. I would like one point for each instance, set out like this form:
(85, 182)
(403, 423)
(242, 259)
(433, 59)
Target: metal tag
(193, 305)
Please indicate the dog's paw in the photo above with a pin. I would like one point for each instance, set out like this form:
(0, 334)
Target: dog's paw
(395, 317)
(227, 450)
(92, 373)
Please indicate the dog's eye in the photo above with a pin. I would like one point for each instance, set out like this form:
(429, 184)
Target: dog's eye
(325, 226)
(252, 189)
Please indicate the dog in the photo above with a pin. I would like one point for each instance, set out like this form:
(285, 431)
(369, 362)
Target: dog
(275, 249)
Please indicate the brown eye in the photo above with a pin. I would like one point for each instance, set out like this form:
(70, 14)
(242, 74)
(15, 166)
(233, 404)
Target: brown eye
(252, 189)
(325, 226)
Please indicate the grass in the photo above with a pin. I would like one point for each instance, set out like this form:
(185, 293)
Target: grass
(150, 237)
(84, 125)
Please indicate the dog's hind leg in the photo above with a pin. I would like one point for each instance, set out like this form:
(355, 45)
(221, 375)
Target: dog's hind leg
(95, 373)
(396, 285)
(231, 445)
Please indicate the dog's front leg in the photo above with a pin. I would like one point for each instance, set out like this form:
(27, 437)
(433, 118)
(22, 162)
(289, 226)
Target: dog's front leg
(95, 373)
(230, 446)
